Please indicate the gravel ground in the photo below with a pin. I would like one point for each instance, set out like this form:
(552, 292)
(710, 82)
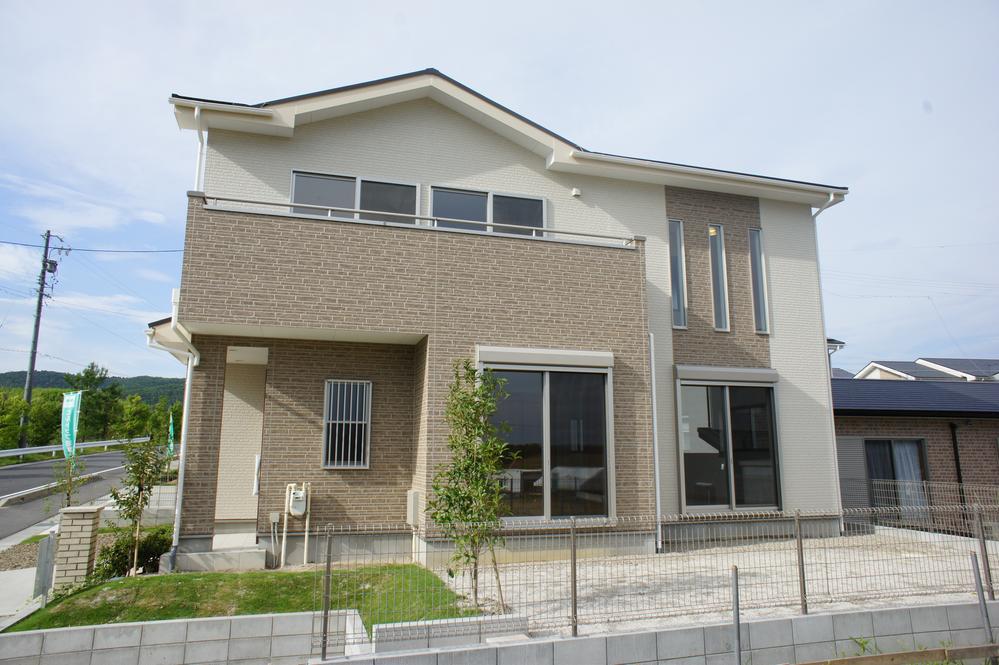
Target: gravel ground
(25, 555)
(888, 567)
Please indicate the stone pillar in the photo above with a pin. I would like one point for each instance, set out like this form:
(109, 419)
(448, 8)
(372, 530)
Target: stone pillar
(77, 546)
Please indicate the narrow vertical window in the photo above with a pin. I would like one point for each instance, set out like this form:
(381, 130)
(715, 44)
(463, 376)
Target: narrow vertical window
(758, 276)
(719, 280)
(677, 274)
(346, 424)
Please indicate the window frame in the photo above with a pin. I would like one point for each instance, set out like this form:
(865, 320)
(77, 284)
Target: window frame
(724, 279)
(763, 282)
(608, 372)
(369, 388)
(355, 217)
(778, 462)
(488, 224)
(683, 272)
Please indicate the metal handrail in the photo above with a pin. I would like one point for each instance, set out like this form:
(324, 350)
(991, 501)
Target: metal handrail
(21, 452)
(329, 210)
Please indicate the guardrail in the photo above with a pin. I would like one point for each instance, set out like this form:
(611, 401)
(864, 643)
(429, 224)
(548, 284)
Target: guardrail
(31, 450)
(404, 220)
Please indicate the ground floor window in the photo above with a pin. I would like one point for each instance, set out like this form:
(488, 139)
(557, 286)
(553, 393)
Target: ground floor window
(729, 446)
(559, 436)
(896, 469)
(347, 424)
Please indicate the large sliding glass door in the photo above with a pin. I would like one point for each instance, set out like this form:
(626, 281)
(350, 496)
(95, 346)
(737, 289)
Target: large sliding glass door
(729, 446)
(557, 430)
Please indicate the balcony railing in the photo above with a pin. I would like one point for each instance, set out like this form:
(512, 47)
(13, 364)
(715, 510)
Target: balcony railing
(403, 220)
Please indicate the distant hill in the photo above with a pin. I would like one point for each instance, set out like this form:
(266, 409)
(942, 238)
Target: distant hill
(149, 388)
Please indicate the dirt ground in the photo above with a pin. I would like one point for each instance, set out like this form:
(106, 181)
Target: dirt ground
(25, 555)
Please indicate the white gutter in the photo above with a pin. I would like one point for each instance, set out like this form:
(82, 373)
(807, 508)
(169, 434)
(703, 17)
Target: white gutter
(226, 108)
(193, 360)
(655, 436)
(834, 199)
(833, 192)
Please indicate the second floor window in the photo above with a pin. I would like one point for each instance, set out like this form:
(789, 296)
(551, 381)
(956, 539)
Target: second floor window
(719, 279)
(343, 192)
(758, 278)
(499, 213)
(677, 274)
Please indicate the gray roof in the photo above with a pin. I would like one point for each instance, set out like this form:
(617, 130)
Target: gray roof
(916, 398)
(916, 370)
(840, 373)
(980, 367)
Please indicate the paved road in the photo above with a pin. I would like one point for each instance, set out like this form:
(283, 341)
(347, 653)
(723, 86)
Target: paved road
(19, 477)
(17, 516)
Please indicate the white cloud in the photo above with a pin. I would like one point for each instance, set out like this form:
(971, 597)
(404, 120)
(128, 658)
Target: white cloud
(18, 263)
(48, 205)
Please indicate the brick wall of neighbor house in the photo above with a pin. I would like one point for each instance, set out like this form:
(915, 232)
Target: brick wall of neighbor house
(978, 443)
(700, 343)
(459, 289)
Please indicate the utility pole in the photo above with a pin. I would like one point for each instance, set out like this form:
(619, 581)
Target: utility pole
(48, 266)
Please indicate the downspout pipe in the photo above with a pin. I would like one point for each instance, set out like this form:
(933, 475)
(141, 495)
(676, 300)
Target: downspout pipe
(201, 149)
(193, 360)
(957, 461)
(655, 438)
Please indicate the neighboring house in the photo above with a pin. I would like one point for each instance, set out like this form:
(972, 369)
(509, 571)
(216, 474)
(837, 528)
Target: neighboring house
(893, 435)
(840, 373)
(932, 369)
(659, 325)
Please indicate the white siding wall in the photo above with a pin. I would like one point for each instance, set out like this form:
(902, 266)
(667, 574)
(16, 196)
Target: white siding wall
(798, 353)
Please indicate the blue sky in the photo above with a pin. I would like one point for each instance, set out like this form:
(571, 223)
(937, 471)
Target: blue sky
(897, 100)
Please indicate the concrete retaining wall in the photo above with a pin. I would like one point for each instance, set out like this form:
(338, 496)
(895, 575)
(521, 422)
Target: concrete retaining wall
(800, 639)
(279, 639)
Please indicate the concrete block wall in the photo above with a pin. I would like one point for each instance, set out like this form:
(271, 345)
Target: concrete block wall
(278, 639)
(77, 545)
(802, 639)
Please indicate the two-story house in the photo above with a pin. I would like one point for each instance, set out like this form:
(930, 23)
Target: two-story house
(659, 326)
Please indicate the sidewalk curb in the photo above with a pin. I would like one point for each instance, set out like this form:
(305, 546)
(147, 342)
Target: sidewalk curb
(46, 490)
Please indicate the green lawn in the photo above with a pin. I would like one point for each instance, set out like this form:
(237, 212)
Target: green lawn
(382, 594)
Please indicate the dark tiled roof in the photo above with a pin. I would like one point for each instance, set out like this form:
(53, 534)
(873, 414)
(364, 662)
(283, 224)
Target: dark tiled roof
(916, 370)
(980, 367)
(839, 373)
(927, 398)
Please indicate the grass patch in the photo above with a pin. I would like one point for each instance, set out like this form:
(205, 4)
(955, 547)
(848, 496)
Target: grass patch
(37, 538)
(382, 594)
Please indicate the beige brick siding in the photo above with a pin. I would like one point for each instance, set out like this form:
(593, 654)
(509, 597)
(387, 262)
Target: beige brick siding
(457, 289)
(76, 548)
(700, 343)
(978, 443)
(239, 441)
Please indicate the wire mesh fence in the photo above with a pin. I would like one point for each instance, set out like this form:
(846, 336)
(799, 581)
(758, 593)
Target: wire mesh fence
(864, 493)
(389, 583)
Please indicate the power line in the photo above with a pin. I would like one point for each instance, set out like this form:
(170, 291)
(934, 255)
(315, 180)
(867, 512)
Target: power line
(106, 251)
(44, 355)
(907, 248)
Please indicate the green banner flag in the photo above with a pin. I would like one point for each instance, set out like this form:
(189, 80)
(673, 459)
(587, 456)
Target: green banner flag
(70, 420)
(170, 437)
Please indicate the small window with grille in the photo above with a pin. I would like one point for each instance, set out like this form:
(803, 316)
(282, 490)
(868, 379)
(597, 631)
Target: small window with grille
(347, 424)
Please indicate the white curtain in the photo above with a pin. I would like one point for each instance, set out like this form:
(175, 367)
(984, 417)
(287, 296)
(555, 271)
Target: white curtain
(908, 473)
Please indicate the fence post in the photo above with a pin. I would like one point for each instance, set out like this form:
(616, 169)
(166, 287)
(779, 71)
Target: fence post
(574, 617)
(984, 552)
(44, 568)
(982, 607)
(735, 615)
(327, 581)
(801, 563)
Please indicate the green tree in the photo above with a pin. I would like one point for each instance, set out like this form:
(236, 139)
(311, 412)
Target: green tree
(67, 473)
(101, 403)
(467, 500)
(134, 419)
(11, 405)
(144, 465)
(45, 418)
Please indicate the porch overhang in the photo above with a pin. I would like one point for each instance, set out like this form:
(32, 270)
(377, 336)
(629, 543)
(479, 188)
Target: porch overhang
(309, 333)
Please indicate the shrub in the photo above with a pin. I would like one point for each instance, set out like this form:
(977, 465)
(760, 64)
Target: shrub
(115, 560)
